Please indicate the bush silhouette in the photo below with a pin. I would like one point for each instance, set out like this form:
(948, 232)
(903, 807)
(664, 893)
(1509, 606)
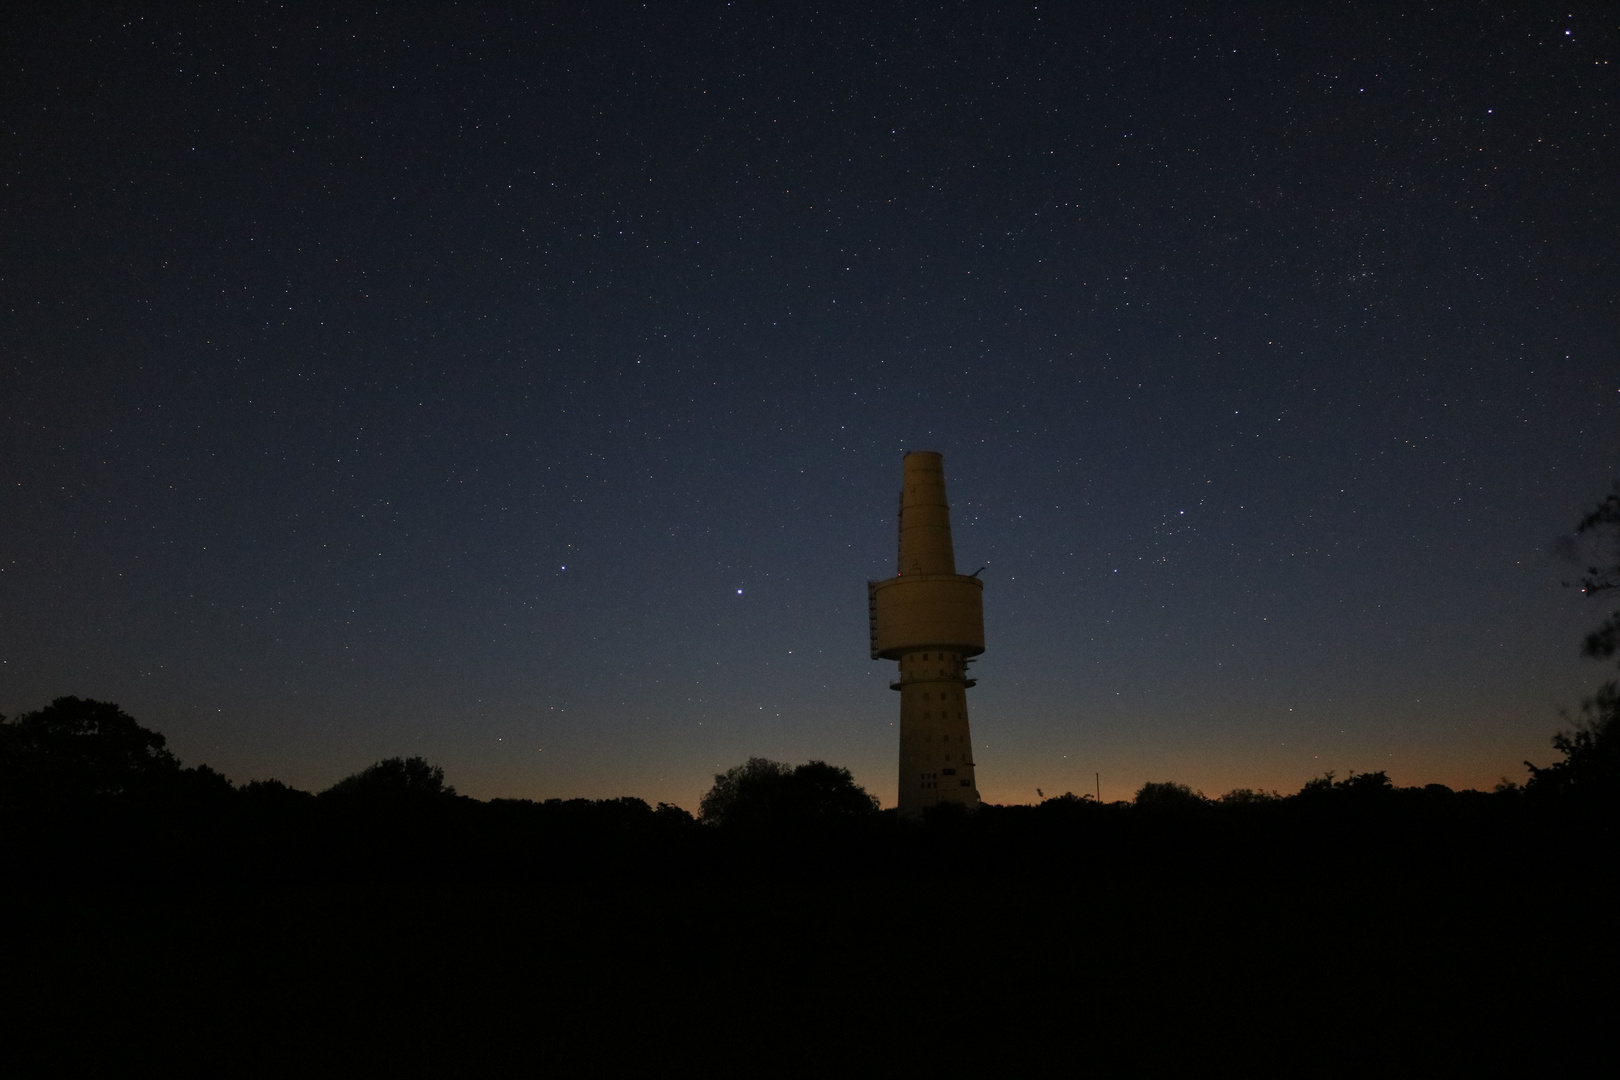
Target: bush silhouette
(1169, 796)
(761, 793)
(274, 794)
(1358, 786)
(1248, 797)
(392, 780)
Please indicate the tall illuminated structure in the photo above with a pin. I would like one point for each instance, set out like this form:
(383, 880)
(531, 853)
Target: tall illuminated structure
(930, 619)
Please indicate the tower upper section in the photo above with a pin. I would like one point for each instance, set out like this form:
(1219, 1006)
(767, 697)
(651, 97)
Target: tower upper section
(928, 605)
(925, 517)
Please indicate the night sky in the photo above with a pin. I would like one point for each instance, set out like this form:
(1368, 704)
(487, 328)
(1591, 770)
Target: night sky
(527, 389)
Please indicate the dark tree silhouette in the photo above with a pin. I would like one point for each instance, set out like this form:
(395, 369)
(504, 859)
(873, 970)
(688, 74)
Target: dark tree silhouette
(79, 747)
(1590, 770)
(739, 787)
(820, 790)
(1603, 523)
(1356, 785)
(274, 793)
(673, 816)
(391, 780)
(200, 783)
(760, 794)
(1249, 797)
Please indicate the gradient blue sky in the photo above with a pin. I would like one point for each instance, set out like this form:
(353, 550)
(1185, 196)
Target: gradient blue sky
(528, 391)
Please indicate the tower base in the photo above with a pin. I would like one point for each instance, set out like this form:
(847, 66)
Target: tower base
(936, 745)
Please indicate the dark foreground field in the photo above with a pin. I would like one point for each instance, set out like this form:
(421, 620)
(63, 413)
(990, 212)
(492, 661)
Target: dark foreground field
(1416, 934)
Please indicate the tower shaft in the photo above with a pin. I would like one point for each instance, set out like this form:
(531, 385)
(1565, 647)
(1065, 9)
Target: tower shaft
(930, 619)
(936, 747)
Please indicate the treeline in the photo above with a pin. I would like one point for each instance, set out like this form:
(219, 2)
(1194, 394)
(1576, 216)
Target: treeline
(404, 928)
(86, 789)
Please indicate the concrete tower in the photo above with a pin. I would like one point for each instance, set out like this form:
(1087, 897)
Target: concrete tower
(931, 619)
